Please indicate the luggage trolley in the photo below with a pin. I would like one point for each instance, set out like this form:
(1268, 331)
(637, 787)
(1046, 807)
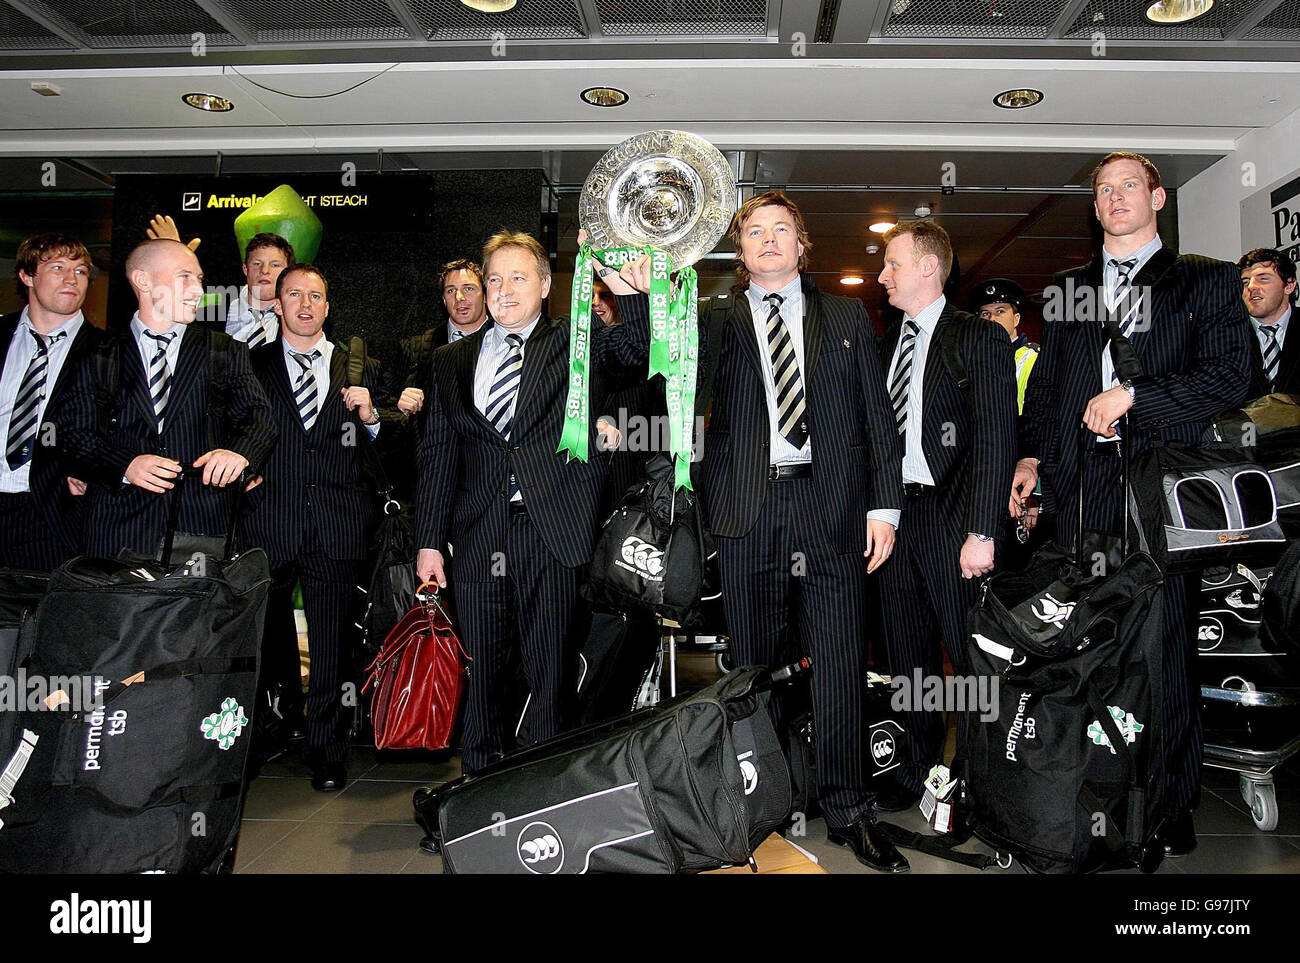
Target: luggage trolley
(1250, 697)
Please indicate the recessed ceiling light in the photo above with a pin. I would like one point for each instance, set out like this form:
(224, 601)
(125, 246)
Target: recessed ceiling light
(880, 227)
(605, 96)
(923, 210)
(1178, 11)
(209, 102)
(850, 279)
(1015, 99)
(873, 248)
(489, 6)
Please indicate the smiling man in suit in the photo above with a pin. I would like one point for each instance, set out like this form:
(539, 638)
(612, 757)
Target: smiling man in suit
(520, 517)
(314, 514)
(959, 447)
(799, 482)
(1192, 343)
(40, 511)
(162, 395)
(1268, 286)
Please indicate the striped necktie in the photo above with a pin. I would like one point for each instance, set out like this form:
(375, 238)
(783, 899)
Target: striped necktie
(1123, 286)
(505, 385)
(791, 408)
(27, 403)
(1272, 354)
(160, 376)
(901, 384)
(304, 390)
(258, 337)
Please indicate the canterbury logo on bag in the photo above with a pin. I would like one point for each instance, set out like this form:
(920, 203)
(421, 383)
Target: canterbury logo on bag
(643, 558)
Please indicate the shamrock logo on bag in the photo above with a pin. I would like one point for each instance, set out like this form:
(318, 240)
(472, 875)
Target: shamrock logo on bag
(1128, 727)
(225, 726)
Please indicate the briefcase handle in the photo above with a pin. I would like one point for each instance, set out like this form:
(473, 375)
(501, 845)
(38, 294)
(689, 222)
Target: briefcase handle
(174, 512)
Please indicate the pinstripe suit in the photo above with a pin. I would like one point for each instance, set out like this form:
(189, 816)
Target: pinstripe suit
(515, 575)
(790, 551)
(314, 515)
(1196, 360)
(59, 534)
(969, 442)
(1288, 365)
(126, 516)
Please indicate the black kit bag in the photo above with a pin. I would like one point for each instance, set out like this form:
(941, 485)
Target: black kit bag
(1270, 426)
(691, 784)
(654, 553)
(617, 658)
(1067, 777)
(1279, 612)
(152, 778)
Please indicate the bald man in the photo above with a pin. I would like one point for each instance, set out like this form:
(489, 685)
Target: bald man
(163, 395)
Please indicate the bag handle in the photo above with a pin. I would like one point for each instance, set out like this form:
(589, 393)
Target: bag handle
(174, 513)
(1080, 451)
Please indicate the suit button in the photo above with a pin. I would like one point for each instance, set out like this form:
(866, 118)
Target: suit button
(513, 449)
(311, 451)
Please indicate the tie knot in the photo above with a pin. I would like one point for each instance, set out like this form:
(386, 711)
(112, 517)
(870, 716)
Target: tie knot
(1123, 267)
(515, 341)
(306, 358)
(163, 339)
(457, 335)
(774, 299)
(1269, 331)
(46, 341)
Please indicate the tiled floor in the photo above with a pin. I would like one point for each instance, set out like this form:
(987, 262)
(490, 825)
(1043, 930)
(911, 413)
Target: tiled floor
(369, 826)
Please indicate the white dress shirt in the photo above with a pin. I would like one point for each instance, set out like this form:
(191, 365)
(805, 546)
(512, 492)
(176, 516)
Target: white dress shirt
(22, 348)
(320, 370)
(242, 320)
(916, 470)
(491, 353)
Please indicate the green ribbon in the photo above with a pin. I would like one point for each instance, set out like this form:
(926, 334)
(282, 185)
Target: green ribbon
(674, 350)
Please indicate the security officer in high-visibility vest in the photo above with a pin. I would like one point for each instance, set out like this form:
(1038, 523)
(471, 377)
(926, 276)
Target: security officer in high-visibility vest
(1000, 300)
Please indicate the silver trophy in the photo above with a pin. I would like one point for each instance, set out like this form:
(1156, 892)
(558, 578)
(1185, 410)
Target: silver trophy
(666, 188)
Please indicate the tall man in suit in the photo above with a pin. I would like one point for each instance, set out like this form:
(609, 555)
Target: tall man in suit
(40, 511)
(1268, 286)
(177, 396)
(958, 453)
(800, 481)
(1192, 343)
(521, 518)
(315, 513)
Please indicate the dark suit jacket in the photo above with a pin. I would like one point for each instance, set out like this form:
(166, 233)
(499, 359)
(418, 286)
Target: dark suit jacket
(465, 464)
(314, 480)
(63, 513)
(854, 442)
(1195, 359)
(968, 437)
(126, 516)
(1288, 367)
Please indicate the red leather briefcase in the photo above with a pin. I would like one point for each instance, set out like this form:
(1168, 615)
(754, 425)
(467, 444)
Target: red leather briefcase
(418, 678)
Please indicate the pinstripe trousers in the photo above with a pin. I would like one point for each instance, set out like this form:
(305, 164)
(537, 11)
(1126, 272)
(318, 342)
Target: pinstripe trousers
(780, 578)
(522, 616)
(924, 601)
(328, 587)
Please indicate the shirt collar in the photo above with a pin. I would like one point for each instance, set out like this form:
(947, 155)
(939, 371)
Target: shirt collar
(318, 346)
(1019, 341)
(1279, 325)
(69, 327)
(928, 317)
(499, 333)
(138, 327)
(1143, 254)
(246, 302)
(795, 287)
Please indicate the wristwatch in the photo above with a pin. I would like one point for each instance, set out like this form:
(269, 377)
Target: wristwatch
(1132, 392)
(979, 537)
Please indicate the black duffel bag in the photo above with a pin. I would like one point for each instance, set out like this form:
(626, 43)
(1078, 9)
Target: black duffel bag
(142, 768)
(688, 785)
(654, 553)
(1067, 777)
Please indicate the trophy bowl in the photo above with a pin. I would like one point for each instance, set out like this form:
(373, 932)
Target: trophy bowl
(666, 188)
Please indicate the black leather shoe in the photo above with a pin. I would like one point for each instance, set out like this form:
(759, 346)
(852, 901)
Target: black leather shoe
(329, 776)
(870, 844)
(1179, 833)
(897, 799)
(430, 845)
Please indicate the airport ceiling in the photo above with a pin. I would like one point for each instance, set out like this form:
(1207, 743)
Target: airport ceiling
(864, 109)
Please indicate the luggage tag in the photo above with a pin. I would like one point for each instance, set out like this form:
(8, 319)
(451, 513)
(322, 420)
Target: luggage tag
(937, 805)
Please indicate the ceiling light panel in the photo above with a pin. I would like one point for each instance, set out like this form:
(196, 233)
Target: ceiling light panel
(697, 18)
(526, 20)
(1010, 19)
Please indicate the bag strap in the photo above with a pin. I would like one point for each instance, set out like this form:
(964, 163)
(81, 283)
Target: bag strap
(174, 513)
(951, 355)
(1120, 745)
(358, 354)
(107, 364)
(944, 847)
(218, 365)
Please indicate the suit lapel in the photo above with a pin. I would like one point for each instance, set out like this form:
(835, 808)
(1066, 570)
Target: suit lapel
(189, 362)
(934, 368)
(539, 350)
(812, 327)
(338, 381)
(465, 358)
(742, 320)
(135, 377)
(8, 325)
(1290, 361)
(280, 382)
